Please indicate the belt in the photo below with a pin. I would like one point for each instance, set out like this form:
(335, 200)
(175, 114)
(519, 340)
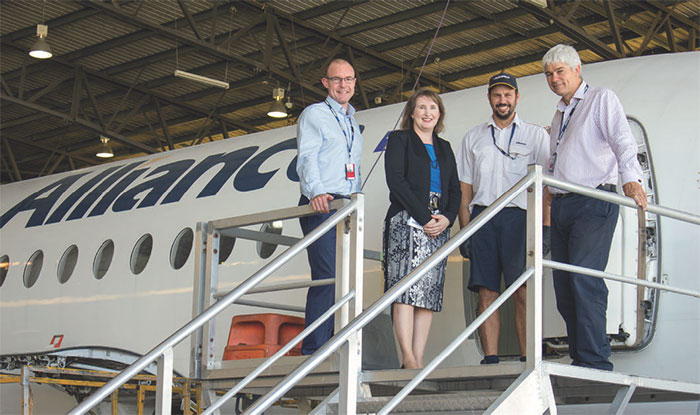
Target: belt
(339, 196)
(606, 187)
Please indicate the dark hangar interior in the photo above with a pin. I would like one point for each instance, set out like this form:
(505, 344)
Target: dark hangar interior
(112, 67)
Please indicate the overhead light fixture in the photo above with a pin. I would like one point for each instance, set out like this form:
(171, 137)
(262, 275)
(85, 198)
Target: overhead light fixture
(41, 48)
(277, 109)
(105, 150)
(201, 79)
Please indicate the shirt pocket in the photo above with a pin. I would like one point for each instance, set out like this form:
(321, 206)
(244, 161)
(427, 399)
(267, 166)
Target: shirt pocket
(520, 158)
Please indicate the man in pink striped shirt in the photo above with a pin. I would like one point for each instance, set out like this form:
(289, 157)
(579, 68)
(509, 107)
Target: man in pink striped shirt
(591, 142)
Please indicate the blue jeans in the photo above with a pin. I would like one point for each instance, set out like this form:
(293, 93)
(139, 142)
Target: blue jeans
(321, 256)
(582, 231)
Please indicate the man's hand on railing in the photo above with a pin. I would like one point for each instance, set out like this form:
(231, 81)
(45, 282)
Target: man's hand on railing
(466, 249)
(636, 192)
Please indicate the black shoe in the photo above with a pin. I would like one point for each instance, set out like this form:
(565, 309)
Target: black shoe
(491, 359)
(523, 358)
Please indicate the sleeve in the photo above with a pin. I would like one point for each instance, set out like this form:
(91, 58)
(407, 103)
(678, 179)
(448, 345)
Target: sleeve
(395, 170)
(309, 142)
(464, 161)
(453, 188)
(613, 123)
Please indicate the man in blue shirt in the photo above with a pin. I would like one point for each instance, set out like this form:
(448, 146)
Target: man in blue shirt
(329, 145)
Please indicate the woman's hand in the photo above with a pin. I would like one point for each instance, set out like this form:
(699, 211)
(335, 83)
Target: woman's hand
(437, 224)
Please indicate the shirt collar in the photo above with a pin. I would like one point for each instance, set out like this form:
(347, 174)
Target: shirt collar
(339, 108)
(516, 121)
(579, 94)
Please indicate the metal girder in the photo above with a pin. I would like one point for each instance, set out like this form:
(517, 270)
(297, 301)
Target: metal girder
(653, 30)
(447, 30)
(204, 46)
(521, 60)
(629, 24)
(678, 20)
(329, 7)
(285, 49)
(11, 156)
(93, 102)
(50, 87)
(573, 31)
(50, 150)
(360, 84)
(355, 45)
(189, 18)
(610, 8)
(146, 91)
(669, 36)
(5, 86)
(163, 124)
(86, 123)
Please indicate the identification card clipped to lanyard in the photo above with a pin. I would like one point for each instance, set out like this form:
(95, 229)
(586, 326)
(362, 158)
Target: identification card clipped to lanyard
(350, 171)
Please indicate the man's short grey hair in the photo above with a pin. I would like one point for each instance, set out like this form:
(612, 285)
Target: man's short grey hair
(561, 54)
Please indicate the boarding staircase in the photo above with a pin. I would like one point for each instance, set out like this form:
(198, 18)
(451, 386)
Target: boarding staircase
(333, 375)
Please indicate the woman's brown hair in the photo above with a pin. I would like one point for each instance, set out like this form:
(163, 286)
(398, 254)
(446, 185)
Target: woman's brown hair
(407, 120)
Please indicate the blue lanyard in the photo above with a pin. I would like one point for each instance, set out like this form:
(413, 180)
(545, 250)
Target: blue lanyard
(342, 128)
(564, 125)
(510, 140)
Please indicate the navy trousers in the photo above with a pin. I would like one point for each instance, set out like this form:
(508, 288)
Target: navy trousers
(582, 231)
(321, 256)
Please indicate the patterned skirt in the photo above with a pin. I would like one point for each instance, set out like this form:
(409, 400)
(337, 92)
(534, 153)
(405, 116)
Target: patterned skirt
(405, 248)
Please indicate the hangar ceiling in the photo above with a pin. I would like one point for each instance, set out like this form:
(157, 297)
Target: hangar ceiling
(113, 61)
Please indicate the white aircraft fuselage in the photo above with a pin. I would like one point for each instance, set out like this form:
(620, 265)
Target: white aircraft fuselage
(163, 194)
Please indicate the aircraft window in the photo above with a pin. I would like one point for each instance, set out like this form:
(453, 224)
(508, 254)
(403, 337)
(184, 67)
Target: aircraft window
(181, 248)
(33, 268)
(141, 253)
(4, 267)
(225, 248)
(265, 250)
(103, 259)
(67, 264)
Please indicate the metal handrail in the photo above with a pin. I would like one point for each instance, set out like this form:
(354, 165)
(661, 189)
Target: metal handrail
(530, 272)
(385, 300)
(620, 200)
(213, 310)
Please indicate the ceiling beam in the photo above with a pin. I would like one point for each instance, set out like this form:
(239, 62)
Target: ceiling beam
(202, 45)
(572, 30)
(355, 45)
(83, 122)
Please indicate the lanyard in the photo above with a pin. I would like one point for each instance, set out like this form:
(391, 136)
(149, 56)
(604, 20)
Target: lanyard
(510, 140)
(342, 128)
(564, 125)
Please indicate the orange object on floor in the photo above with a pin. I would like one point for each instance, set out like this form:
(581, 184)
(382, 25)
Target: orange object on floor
(254, 336)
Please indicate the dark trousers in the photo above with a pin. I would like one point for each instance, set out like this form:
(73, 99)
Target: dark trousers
(582, 231)
(321, 256)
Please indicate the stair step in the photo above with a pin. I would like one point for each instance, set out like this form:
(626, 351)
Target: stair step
(472, 402)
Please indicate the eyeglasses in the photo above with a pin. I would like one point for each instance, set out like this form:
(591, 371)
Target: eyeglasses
(336, 80)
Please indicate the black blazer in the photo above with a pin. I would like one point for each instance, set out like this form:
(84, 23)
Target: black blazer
(407, 168)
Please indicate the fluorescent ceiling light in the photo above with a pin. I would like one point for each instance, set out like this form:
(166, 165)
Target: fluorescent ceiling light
(201, 79)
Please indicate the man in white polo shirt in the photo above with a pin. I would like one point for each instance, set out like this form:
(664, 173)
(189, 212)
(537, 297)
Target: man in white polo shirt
(492, 158)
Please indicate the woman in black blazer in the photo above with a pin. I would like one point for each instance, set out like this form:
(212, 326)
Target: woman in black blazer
(424, 192)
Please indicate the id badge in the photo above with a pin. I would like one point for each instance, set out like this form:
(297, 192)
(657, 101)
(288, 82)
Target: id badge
(350, 171)
(552, 162)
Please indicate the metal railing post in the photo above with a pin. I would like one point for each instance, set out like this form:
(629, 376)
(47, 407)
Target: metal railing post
(534, 260)
(164, 383)
(351, 351)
